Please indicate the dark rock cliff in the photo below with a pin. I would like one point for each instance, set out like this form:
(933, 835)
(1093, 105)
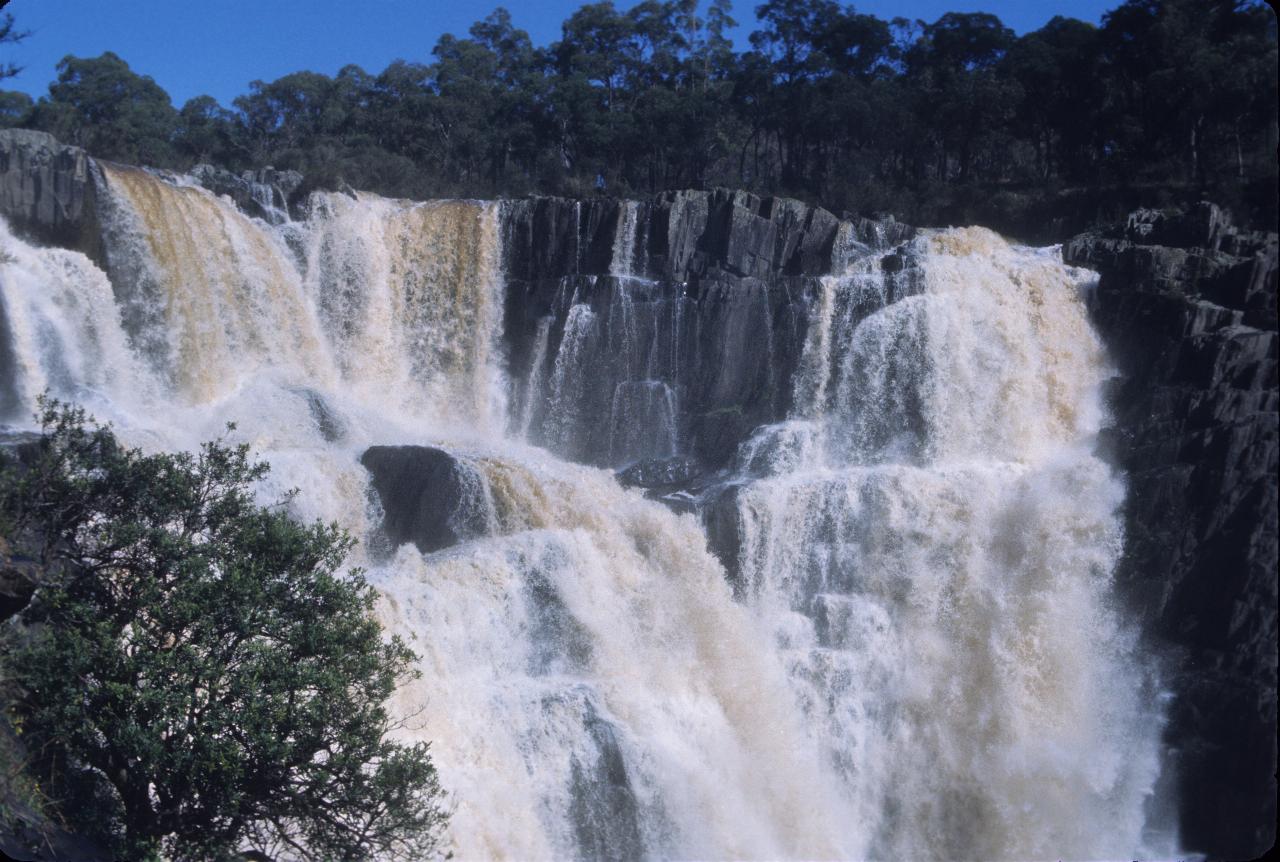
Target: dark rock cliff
(684, 315)
(47, 190)
(1187, 305)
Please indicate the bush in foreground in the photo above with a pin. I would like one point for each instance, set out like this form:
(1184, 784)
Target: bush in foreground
(196, 677)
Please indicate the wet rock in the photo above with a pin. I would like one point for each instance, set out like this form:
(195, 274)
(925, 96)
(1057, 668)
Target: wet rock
(265, 193)
(723, 525)
(680, 502)
(603, 807)
(328, 421)
(686, 234)
(47, 190)
(679, 471)
(717, 329)
(541, 238)
(428, 496)
(10, 399)
(1187, 305)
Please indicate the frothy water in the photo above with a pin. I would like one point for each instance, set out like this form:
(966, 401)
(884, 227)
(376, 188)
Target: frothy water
(925, 660)
(932, 542)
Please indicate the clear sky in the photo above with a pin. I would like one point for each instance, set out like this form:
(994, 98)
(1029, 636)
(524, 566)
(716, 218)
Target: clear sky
(217, 47)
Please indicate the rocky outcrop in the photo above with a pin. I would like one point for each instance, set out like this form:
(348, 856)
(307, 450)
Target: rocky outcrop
(47, 190)
(267, 193)
(683, 235)
(428, 496)
(686, 313)
(1187, 305)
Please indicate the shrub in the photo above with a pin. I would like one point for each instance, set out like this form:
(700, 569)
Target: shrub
(197, 675)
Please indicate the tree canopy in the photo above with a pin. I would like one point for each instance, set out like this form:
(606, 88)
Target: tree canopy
(824, 102)
(196, 676)
(10, 35)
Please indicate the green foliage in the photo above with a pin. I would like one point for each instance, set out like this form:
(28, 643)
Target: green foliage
(15, 108)
(10, 35)
(205, 132)
(198, 676)
(110, 110)
(828, 104)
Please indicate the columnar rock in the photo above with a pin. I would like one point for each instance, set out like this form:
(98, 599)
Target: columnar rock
(47, 190)
(1187, 305)
(685, 314)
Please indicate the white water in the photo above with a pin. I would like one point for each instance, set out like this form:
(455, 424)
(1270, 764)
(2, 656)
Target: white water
(934, 551)
(623, 262)
(926, 664)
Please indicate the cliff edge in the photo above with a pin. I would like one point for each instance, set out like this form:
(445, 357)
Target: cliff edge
(1186, 302)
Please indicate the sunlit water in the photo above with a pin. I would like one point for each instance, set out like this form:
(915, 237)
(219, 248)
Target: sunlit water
(924, 659)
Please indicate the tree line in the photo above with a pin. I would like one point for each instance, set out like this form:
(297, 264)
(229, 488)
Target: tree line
(826, 103)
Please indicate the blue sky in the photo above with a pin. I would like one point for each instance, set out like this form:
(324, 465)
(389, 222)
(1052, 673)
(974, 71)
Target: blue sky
(219, 46)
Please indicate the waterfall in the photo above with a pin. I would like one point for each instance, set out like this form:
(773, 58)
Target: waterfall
(623, 259)
(932, 540)
(206, 294)
(923, 658)
(60, 329)
(410, 295)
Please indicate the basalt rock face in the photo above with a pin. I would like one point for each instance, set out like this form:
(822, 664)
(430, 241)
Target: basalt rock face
(647, 329)
(267, 193)
(1187, 305)
(47, 190)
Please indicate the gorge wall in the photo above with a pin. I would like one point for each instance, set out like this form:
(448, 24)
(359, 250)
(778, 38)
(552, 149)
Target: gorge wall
(1187, 303)
(890, 439)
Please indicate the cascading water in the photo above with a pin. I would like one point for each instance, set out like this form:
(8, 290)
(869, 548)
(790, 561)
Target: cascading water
(924, 661)
(612, 394)
(932, 540)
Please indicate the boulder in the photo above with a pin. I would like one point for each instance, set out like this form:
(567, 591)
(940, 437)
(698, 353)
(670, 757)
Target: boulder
(428, 497)
(722, 523)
